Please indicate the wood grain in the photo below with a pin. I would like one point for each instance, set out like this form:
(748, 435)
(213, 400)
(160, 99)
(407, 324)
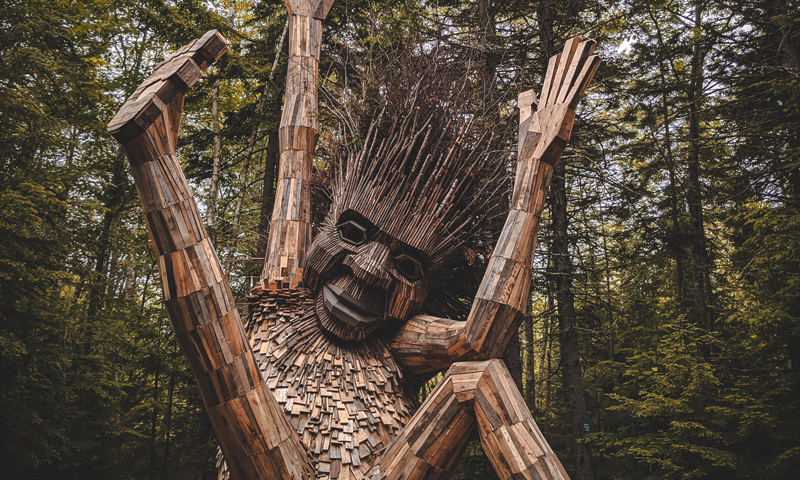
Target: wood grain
(346, 401)
(498, 308)
(289, 394)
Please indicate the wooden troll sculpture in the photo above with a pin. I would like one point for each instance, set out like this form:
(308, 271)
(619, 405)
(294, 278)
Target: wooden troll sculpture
(316, 383)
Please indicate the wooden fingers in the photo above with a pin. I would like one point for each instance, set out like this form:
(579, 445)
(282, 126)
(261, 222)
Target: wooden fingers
(547, 86)
(586, 75)
(569, 73)
(564, 62)
(578, 59)
(170, 78)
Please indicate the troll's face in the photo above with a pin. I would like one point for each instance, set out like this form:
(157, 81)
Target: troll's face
(394, 231)
(366, 276)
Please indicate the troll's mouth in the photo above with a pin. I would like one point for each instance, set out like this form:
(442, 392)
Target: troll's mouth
(343, 306)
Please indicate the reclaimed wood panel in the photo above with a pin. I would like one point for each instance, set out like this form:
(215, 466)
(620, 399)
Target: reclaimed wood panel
(510, 437)
(288, 400)
(503, 294)
(477, 394)
(347, 401)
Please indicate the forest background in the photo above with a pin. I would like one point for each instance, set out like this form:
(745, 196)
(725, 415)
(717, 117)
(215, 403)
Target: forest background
(665, 308)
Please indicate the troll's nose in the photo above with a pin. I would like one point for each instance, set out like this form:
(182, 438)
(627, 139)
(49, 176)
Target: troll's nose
(371, 264)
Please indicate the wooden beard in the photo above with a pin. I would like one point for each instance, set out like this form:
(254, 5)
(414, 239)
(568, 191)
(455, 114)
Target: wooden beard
(393, 233)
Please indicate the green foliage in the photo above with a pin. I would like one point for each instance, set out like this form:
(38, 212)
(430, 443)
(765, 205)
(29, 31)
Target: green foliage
(69, 293)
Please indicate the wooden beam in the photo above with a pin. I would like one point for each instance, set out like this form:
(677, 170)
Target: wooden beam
(429, 344)
(290, 228)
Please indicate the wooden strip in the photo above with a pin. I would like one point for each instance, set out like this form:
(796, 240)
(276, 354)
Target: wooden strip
(586, 76)
(547, 85)
(297, 135)
(582, 52)
(564, 60)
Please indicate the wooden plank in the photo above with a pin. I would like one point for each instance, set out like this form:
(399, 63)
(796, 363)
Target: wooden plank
(346, 403)
(170, 78)
(560, 77)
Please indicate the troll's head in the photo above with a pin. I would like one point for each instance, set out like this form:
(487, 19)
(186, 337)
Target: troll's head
(403, 207)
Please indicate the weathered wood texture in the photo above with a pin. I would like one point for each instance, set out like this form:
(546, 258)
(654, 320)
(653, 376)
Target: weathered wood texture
(290, 228)
(503, 294)
(295, 395)
(246, 418)
(426, 344)
(170, 78)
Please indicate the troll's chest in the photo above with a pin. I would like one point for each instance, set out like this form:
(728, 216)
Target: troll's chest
(346, 401)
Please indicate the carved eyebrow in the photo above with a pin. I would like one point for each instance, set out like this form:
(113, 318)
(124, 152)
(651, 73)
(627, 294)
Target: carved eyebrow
(396, 245)
(353, 215)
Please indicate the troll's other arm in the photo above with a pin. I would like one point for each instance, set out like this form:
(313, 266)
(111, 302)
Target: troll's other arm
(290, 227)
(428, 344)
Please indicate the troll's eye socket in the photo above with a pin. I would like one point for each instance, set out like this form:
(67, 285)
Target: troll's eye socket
(353, 233)
(408, 266)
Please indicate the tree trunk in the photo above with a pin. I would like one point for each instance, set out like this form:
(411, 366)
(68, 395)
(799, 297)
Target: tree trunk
(530, 363)
(562, 270)
(790, 60)
(572, 373)
(513, 360)
(487, 30)
(168, 421)
(546, 356)
(154, 422)
(113, 203)
(703, 294)
(237, 212)
(782, 21)
(675, 233)
(213, 194)
(212, 216)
